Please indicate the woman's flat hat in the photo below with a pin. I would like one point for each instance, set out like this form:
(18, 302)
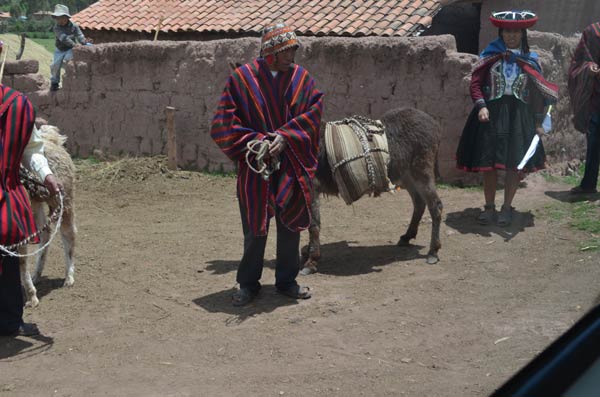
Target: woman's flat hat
(513, 19)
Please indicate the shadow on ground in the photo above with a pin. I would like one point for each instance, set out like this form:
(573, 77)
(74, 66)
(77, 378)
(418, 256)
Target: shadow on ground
(344, 259)
(568, 197)
(19, 348)
(465, 222)
(267, 301)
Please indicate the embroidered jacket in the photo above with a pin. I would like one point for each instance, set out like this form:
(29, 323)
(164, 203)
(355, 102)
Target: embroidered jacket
(254, 103)
(488, 82)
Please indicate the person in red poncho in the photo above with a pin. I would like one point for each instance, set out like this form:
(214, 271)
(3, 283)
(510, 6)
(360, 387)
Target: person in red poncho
(19, 142)
(510, 96)
(273, 106)
(584, 90)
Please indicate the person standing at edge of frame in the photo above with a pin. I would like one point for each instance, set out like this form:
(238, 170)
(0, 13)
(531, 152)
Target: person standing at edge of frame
(584, 90)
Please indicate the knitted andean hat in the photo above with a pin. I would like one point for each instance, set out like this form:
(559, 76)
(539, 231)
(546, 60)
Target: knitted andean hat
(513, 19)
(276, 38)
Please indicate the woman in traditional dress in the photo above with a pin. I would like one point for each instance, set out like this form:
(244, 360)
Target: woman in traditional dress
(510, 96)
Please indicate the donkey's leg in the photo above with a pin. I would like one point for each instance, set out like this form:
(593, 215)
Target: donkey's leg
(30, 291)
(67, 232)
(40, 219)
(426, 188)
(313, 251)
(418, 209)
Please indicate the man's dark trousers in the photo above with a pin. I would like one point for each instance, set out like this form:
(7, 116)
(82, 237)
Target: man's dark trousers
(592, 157)
(11, 296)
(288, 261)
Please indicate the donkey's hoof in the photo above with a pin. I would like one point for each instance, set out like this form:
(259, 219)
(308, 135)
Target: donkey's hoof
(432, 259)
(404, 241)
(304, 252)
(33, 302)
(307, 271)
(69, 281)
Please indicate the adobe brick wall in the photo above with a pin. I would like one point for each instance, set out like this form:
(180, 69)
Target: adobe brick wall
(114, 94)
(22, 76)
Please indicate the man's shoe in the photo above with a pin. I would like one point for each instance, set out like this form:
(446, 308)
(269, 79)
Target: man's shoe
(54, 87)
(582, 190)
(27, 329)
(244, 296)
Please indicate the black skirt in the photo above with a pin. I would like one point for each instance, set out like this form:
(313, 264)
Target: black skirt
(502, 142)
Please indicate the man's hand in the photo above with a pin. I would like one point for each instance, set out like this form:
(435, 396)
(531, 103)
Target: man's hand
(484, 115)
(53, 184)
(278, 144)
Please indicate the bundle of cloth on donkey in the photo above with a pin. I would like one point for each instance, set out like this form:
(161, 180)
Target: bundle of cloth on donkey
(511, 98)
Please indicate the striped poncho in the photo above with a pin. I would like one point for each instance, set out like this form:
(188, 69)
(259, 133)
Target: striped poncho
(16, 123)
(254, 103)
(582, 87)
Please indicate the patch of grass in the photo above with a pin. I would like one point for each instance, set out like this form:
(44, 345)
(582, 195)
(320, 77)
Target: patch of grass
(220, 173)
(572, 180)
(87, 160)
(448, 186)
(583, 216)
(48, 44)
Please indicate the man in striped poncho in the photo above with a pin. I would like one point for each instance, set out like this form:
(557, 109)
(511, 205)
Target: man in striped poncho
(274, 102)
(18, 142)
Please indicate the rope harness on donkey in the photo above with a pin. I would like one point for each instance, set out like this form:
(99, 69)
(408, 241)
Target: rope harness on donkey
(37, 190)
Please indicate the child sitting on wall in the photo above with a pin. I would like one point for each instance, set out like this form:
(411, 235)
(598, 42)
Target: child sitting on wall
(68, 34)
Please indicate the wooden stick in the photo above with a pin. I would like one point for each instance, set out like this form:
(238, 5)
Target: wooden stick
(160, 21)
(171, 139)
(5, 49)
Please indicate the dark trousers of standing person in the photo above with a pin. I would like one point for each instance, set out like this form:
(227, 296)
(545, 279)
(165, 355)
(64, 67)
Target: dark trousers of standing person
(287, 264)
(592, 156)
(11, 295)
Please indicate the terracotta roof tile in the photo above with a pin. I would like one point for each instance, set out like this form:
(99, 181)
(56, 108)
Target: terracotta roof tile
(309, 17)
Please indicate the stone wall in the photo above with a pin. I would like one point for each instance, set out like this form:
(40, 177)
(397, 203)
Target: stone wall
(115, 94)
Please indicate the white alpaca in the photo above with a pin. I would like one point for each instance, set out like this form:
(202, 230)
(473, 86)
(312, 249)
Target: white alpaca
(62, 166)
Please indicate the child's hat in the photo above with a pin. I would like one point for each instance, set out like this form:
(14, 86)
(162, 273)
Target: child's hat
(513, 19)
(60, 10)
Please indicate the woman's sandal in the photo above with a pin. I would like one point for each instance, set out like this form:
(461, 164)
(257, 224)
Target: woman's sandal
(243, 296)
(296, 292)
(505, 216)
(487, 215)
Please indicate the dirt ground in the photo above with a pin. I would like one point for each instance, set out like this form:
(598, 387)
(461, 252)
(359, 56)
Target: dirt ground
(150, 311)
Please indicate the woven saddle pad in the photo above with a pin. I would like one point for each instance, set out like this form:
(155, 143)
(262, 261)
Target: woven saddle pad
(357, 152)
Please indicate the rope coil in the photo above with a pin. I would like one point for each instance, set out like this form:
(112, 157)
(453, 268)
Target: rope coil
(260, 149)
(55, 217)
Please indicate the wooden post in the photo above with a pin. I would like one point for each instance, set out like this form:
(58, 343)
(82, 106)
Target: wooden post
(5, 49)
(160, 21)
(171, 139)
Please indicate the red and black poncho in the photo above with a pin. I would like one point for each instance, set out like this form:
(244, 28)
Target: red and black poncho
(16, 123)
(254, 103)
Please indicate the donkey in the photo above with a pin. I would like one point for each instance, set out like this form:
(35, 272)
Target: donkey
(62, 166)
(413, 139)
